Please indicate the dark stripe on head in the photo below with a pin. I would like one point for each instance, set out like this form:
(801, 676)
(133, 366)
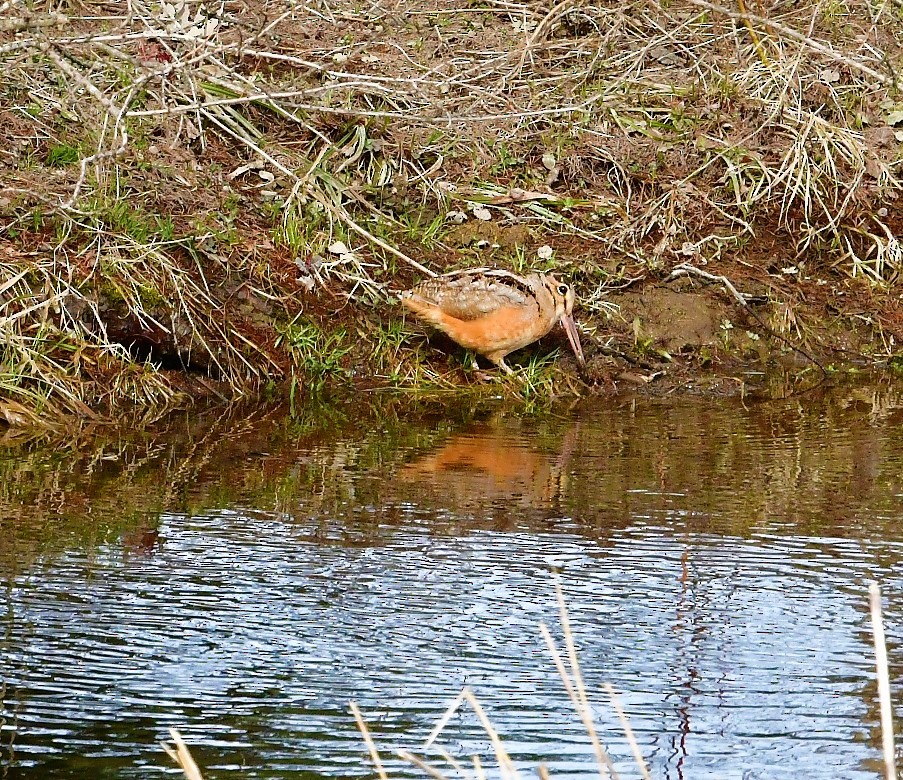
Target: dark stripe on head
(552, 284)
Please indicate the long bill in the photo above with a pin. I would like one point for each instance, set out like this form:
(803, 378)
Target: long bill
(570, 327)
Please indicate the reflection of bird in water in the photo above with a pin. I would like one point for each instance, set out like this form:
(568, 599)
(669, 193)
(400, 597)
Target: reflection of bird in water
(495, 312)
(141, 541)
(484, 464)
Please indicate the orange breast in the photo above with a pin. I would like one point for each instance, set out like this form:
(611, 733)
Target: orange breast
(501, 331)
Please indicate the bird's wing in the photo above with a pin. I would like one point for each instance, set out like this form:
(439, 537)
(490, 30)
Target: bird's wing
(470, 295)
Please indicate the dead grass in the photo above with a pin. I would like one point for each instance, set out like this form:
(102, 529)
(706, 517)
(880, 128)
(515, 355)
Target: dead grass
(166, 166)
(568, 667)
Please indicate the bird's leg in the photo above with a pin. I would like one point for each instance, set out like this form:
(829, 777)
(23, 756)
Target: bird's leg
(497, 360)
(479, 372)
(504, 366)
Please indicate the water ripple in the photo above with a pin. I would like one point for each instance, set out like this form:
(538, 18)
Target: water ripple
(725, 606)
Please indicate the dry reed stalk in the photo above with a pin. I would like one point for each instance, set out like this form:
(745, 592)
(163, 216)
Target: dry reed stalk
(444, 720)
(453, 762)
(182, 756)
(506, 765)
(573, 683)
(421, 764)
(887, 724)
(368, 740)
(628, 732)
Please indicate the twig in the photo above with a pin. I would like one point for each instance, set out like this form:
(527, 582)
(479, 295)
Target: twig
(789, 32)
(685, 269)
(28, 21)
(408, 116)
(83, 82)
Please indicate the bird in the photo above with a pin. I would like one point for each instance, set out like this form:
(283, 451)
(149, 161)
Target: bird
(495, 312)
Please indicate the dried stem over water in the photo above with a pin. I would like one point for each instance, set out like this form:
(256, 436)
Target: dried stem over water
(887, 722)
(182, 756)
(368, 740)
(572, 679)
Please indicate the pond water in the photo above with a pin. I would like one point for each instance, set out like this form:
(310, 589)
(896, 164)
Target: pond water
(243, 575)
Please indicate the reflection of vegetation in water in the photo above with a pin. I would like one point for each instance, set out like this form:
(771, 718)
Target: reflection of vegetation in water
(351, 472)
(51, 498)
(96, 484)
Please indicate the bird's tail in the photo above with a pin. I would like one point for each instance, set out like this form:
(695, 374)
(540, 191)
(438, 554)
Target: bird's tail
(422, 308)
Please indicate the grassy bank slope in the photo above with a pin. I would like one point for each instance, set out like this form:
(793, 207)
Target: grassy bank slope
(219, 198)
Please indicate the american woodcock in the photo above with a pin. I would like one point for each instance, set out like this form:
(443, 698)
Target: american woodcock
(495, 312)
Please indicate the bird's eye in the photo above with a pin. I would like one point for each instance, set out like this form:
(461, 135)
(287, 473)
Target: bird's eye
(562, 289)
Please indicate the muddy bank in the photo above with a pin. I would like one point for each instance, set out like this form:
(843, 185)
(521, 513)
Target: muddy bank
(722, 328)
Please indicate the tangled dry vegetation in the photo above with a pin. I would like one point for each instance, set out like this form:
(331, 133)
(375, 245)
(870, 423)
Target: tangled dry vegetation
(219, 196)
